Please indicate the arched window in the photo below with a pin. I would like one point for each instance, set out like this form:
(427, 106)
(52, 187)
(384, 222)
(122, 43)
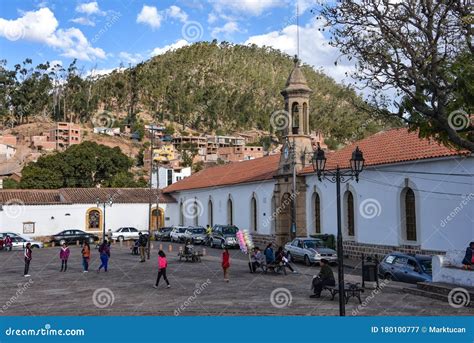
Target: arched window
(253, 213)
(295, 117)
(410, 215)
(195, 213)
(157, 218)
(181, 214)
(317, 213)
(94, 219)
(305, 119)
(350, 214)
(230, 212)
(210, 213)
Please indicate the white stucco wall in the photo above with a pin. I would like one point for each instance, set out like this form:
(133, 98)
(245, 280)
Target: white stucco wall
(50, 219)
(241, 196)
(444, 203)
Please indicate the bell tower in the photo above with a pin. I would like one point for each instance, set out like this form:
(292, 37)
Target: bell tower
(290, 189)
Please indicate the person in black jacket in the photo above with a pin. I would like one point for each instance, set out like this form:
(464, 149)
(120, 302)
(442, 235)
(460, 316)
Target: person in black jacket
(324, 278)
(468, 260)
(142, 243)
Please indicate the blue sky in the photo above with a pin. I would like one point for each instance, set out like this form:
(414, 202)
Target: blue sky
(102, 34)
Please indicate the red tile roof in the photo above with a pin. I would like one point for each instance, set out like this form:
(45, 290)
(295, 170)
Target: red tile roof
(81, 196)
(259, 169)
(392, 146)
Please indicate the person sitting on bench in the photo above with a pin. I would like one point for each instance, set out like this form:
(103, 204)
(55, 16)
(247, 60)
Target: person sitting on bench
(324, 278)
(281, 257)
(268, 252)
(257, 259)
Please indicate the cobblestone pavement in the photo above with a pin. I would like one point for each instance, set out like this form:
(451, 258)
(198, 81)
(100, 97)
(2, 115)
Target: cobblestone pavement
(196, 289)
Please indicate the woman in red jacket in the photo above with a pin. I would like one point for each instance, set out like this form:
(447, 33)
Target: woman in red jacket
(226, 264)
(162, 265)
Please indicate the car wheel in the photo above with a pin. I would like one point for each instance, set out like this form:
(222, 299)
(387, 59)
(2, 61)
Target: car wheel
(388, 277)
(91, 240)
(222, 245)
(307, 261)
(62, 241)
(35, 246)
(289, 257)
(120, 238)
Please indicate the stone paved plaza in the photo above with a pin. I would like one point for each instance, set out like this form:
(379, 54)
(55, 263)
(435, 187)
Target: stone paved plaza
(197, 289)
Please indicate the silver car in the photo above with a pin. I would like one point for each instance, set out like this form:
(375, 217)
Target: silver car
(195, 234)
(309, 251)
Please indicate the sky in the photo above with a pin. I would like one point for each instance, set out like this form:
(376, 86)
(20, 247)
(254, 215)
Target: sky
(104, 34)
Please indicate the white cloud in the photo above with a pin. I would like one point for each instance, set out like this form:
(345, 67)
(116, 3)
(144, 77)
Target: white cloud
(176, 45)
(149, 15)
(314, 49)
(177, 13)
(83, 21)
(212, 18)
(227, 29)
(251, 7)
(89, 8)
(41, 26)
(130, 58)
(100, 72)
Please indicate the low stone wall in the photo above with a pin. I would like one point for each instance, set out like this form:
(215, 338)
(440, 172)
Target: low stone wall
(261, 241)
(355, 250)
(449, 269)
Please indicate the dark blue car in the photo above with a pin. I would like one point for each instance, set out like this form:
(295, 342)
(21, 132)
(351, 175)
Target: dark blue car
(406, 268)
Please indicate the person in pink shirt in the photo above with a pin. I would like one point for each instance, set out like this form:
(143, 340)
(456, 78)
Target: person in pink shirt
(64, 256)
(162, 265)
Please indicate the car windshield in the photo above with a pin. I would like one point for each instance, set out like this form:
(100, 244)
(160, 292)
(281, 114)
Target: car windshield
(425, 265)
(229, 230)
(181, 230)
(199, 231)
(313, 244)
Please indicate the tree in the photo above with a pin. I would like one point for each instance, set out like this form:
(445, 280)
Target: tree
(416, 47)
(83, 165)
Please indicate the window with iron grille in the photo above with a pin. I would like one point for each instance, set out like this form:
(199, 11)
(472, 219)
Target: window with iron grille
(350, 214)
(317, 213)
(410, 215)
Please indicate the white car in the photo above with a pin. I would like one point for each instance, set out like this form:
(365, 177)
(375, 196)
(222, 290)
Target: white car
(12, 234)
(126, 233)
(177, 234)
(19, 243)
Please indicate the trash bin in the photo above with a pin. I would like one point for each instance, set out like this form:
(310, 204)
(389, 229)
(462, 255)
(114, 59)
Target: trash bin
(369, 272)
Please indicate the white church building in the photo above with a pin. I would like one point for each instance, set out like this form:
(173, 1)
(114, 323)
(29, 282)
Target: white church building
(413, 195)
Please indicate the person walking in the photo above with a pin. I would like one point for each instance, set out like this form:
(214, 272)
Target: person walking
(28, 257)
(104, 251)
(86, 255)
(64, 256)
(324, 278)
(226, 264)
(8, 243)
(142, 243)
(162, 265)
(468, 260)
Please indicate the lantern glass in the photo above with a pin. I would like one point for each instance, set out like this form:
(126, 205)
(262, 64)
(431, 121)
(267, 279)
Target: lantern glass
(319, 160)
(357, 161)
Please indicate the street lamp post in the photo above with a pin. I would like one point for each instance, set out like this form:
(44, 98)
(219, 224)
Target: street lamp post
(339, 176)
(104, 204)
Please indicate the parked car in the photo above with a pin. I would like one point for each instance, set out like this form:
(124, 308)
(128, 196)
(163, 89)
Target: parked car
(224, 236)
(12, 234)
(73, 235)
(309, 251)
(163, 234)
(19, 243)
(196, 234)
(176, 235)
(406, 268)
(126, 233)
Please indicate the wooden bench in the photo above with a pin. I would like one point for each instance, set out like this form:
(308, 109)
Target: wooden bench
(351, 290)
